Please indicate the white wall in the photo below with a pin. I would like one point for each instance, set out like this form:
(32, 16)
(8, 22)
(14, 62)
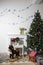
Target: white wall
(7, 18)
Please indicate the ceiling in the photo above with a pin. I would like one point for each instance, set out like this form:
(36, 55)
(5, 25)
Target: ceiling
(17, 1)
(20, 2)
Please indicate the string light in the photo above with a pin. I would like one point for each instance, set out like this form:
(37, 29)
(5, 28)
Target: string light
(19, 10)
(2, 13)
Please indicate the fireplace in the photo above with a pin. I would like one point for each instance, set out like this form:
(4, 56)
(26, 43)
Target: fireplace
(20, 45)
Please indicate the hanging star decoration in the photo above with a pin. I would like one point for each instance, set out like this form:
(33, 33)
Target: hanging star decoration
(9, 10)
(14, 10)
(18, 16)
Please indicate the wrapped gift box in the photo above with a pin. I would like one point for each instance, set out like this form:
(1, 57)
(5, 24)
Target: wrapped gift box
(32, 55)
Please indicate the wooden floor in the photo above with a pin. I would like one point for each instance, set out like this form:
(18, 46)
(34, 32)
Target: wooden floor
(17, 63)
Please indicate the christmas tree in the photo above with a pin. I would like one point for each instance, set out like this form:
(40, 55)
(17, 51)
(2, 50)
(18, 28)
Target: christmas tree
(35, 40)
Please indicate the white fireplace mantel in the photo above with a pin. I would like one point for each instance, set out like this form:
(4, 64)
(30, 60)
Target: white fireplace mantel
(23, 37)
